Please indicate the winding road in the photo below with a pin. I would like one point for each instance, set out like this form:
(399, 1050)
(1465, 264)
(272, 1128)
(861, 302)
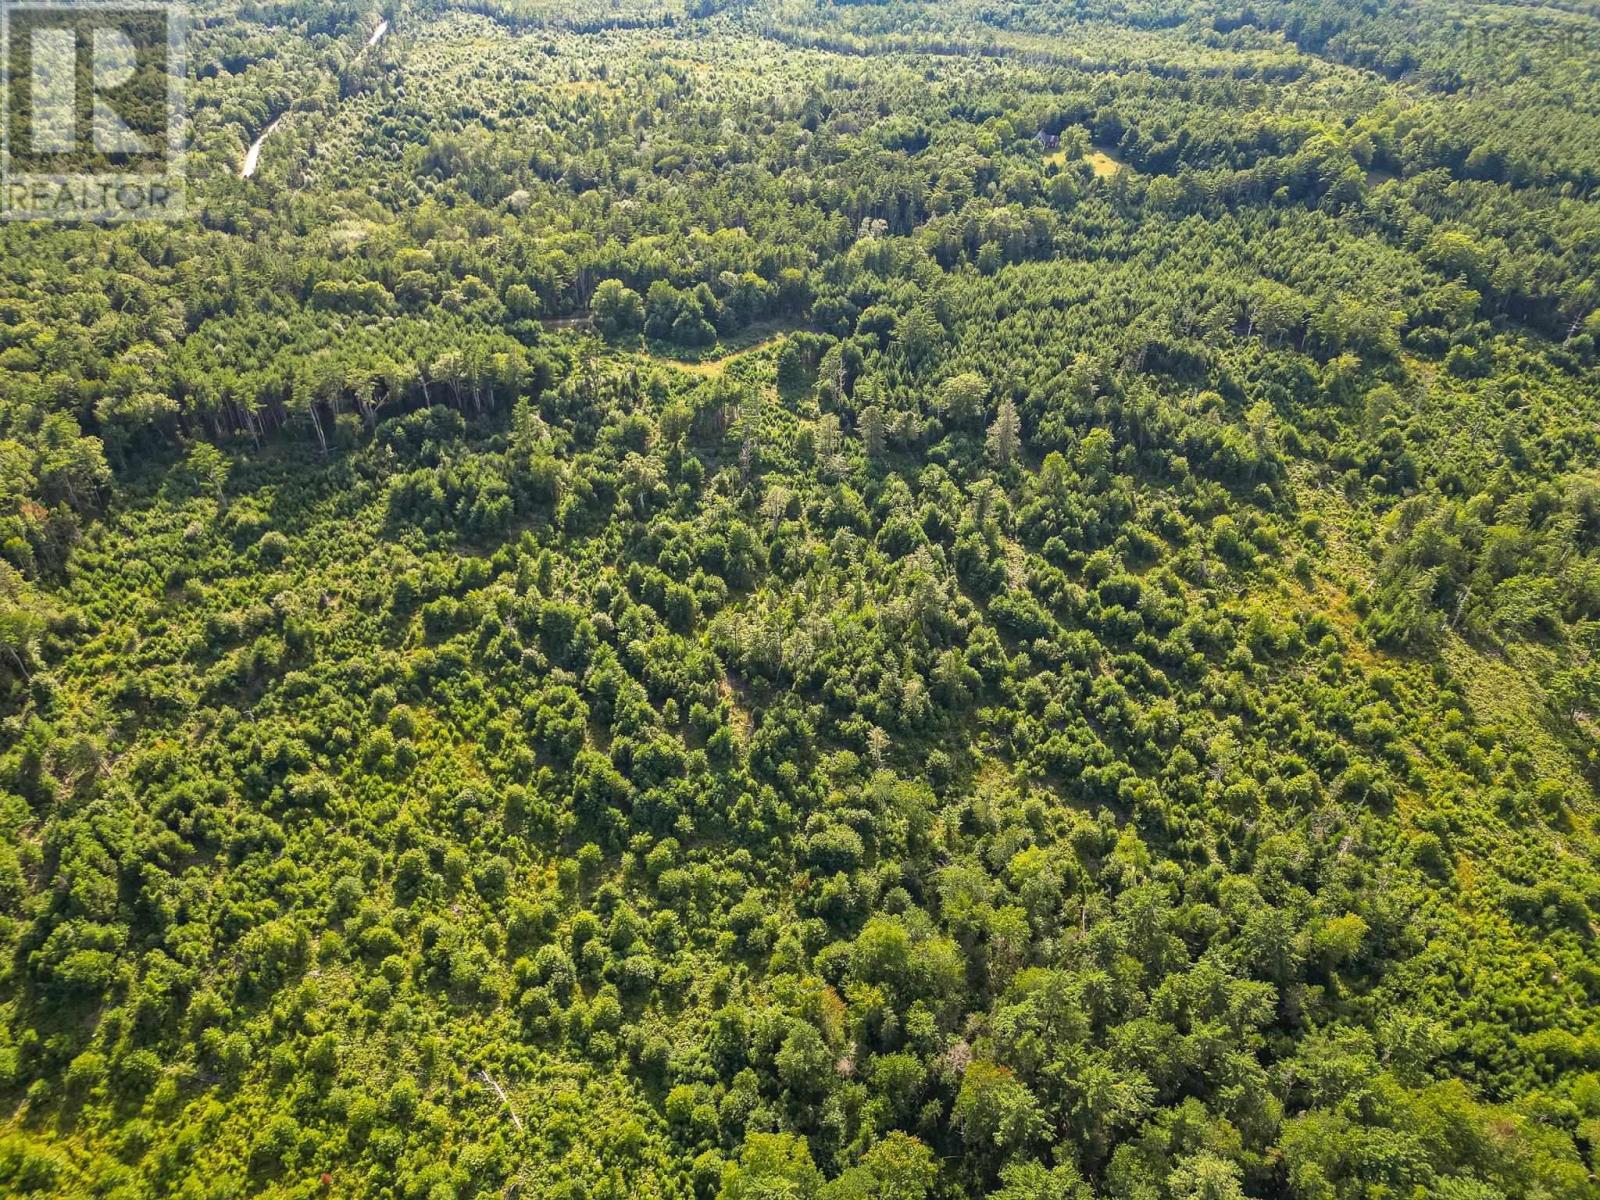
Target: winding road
(252, 156)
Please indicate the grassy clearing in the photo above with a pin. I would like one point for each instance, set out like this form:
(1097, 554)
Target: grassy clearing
(1104, 165)
(1100, 162)
(1504, 692)
(1502, 686)
(725, 353)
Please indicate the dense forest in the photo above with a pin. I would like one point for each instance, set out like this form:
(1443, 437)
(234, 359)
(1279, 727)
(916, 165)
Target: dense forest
(811, 600)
